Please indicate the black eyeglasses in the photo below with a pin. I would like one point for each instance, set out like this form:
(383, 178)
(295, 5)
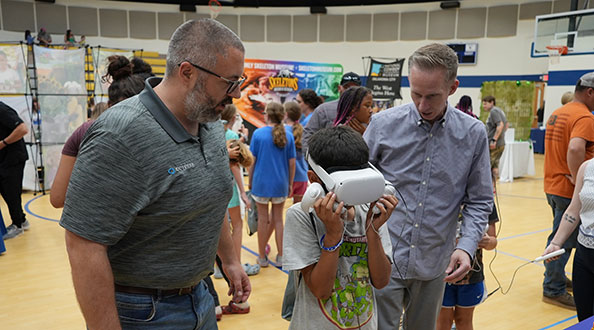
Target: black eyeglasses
(233, 84)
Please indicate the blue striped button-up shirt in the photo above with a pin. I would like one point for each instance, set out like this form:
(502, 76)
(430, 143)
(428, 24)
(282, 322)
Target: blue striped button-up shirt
(436, 168)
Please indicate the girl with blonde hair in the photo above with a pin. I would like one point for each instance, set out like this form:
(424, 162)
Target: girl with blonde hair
(271, 178)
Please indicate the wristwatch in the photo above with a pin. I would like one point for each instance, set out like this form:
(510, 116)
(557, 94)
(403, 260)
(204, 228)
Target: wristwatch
(493, 140)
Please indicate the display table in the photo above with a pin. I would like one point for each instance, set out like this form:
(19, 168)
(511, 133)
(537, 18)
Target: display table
(537, 135)
(586, 324)
(517, 161)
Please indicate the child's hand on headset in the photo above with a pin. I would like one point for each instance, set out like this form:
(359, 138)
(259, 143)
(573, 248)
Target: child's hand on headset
(386, 205)
(324, 208)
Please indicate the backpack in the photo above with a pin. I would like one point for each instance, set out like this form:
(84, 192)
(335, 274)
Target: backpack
(252, 215)
(292, 285)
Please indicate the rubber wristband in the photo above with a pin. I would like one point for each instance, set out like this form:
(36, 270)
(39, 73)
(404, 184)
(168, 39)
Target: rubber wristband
(333, 248)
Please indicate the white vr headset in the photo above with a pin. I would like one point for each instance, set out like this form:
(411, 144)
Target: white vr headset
(352, 187)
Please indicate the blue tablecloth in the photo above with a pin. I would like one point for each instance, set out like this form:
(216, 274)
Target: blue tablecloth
(584, 325)
(537, 136)
(2, 232)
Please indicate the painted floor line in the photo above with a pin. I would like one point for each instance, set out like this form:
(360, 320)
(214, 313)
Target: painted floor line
(520, 196)
(28, 210)
(557, 323)
(525, 234)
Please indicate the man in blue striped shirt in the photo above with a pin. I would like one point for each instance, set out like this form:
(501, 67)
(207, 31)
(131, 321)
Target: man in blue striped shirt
(438, 159)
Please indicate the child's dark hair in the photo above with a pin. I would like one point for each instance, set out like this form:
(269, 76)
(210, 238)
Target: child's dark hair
(310, 98)
(294, 113)
(142, 68)
(349, 103)
(338, 146)
(123, 83)
(490, 99)
(276, 113)
(465, 105)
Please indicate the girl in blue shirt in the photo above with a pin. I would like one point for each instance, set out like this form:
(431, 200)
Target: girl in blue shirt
(271, 177)
(292, 121)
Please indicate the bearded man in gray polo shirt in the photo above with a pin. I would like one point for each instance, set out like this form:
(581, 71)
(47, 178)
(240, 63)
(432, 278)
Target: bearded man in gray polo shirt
(438, 159)
(149, 191)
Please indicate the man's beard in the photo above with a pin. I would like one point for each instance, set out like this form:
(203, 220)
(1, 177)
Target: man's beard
(201, 107)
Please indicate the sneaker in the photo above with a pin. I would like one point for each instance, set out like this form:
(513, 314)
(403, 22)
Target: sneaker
(217, 272)
(219, 313)
(263, 262)
(13, 231)
(568, 285)
(279, 261)
(26, 225)
(234, 308)
(251, 269)
(565, 300)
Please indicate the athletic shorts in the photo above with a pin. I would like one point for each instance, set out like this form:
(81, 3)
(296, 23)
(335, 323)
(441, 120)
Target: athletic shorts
(234, 202)
(299, 188)
(265, 200)
(464, 295)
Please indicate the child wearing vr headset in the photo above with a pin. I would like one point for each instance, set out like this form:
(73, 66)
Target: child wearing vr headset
(341, 259)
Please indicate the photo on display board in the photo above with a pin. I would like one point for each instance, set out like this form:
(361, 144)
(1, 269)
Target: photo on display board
(12, 69)
(60, 71)
(280, 81)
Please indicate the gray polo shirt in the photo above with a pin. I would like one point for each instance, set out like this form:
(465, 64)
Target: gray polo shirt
(151, 192)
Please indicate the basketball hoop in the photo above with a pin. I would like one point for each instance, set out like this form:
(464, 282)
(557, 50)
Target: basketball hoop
(555, 52)
(215, 8)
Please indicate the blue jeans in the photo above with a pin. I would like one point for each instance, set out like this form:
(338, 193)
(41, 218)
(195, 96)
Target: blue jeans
(190, 311)
(554, 277)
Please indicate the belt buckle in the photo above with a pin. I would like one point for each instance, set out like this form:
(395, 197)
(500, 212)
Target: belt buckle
(180, 291)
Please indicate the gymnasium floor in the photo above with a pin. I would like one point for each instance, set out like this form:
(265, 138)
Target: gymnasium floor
(36, 289)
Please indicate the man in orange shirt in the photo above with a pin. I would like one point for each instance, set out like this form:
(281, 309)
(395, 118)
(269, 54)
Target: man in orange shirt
(569, 141)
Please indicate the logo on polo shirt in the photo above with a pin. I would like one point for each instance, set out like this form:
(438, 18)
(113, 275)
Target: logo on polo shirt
(173, 170)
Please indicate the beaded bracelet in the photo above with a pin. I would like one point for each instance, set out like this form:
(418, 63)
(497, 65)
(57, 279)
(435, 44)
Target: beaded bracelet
(333, 248)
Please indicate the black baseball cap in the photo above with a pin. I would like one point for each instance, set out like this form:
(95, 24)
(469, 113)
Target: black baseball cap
(350, 77)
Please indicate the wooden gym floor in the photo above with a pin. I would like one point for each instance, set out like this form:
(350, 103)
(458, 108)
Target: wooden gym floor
(36, 290)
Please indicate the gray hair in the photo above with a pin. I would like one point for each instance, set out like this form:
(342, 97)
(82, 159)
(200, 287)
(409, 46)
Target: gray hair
(435, 56)
(200, 42)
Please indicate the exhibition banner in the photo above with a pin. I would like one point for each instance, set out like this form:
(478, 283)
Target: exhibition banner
(60, 71)
(13, 70)
(280, 81)
(384, 79)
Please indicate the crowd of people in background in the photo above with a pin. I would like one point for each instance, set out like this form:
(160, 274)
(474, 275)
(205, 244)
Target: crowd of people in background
(45, 39)
(420, 266)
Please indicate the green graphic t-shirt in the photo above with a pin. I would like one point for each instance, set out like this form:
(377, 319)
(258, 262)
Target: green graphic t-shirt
(352, 302)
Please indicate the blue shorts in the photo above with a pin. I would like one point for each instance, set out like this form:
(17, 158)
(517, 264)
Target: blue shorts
(464, 295)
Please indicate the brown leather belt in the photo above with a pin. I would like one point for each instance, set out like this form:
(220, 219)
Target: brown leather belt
(154, 292)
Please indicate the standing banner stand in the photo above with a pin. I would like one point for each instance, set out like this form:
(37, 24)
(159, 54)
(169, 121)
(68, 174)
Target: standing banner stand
(18, 90)
(384, 77)
(100, 55)
(62, 98)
